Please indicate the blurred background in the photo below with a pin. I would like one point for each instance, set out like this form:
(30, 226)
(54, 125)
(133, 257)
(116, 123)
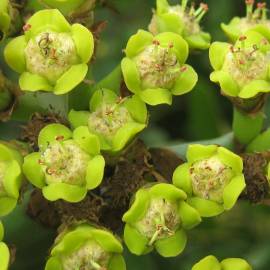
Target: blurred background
(200, 115)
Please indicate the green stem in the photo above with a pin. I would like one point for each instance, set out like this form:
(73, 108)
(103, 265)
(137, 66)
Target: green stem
(246, 127)
(184, 5)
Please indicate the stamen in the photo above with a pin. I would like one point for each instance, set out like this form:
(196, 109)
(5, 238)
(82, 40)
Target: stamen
(203, 9)
(184, 5)
(249, 8)
(183, 69)
(26, 27)
(59, 138)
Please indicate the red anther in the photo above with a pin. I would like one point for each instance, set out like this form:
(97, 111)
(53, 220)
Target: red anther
(232, 49)
(41, 162)
(265, 41)
(171, 45)
(250, 2)
(156, 42)
(241, 62)
(242, 38)
(183, 68)
(53, 53)
(60, 138)
(204, 6)
(261, 5)
(26, 27)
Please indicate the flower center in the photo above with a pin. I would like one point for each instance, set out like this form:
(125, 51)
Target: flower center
(50, 55)
(160, 221)
(2, 174)
(247, 64)
(108, 119)
(209, 178)
(90, 256)
(64, 162)
(158, 66)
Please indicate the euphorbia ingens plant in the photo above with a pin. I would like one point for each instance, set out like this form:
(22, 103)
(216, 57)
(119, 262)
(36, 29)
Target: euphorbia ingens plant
(67, 165)
(158, 218)
(113, 119)
(154, 67)
(10, 178)
(212, 177)
(52, 55)
(86, 247)
(211, 263)
(182, 20)
(4, 251)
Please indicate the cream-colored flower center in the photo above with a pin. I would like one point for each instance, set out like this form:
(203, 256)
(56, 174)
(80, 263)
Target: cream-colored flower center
(64, 162)
(247, 64)
(2, 174)
(90, 256)
(108, 119)
(158, 66)
(209, 177)
(50, 55)
(160, 221)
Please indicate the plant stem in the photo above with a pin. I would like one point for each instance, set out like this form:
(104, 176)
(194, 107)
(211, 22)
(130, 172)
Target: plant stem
(246, 127)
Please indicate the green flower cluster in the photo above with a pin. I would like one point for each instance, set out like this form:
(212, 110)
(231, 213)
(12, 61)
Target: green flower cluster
(211, 263)
(212, 177)
(67, 165)
(114, 120)
(4, 251)
(242, 70)
(86, 247)
(181, 20)
(52, 55)
(158, 218)
(256, 19)
(10, 178)
(154, 67)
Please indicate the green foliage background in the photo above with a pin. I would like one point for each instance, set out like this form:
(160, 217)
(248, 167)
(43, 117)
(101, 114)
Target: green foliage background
(203, 114)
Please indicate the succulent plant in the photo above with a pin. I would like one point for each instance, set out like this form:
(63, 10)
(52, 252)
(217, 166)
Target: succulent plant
(154, 67)
(86, 247)
(157, 218)
(114, 120)
(212, 178)
(182, 20)
(67, 165)
(52, 55)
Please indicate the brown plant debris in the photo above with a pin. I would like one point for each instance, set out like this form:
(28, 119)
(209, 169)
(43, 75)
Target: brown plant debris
(37, 122)
(257, 187)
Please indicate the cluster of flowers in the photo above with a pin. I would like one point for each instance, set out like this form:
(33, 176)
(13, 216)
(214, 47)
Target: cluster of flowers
(53, 56)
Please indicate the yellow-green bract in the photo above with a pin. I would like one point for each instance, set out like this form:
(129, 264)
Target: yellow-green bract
(86, 247)
(67, 165)
(10, 178)
(212, 177)
(211, 263)
(182, 20)
(154, 67)
(158, 218)
(242, 70)
(114, 120)
(4, 251)
(52, 55)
